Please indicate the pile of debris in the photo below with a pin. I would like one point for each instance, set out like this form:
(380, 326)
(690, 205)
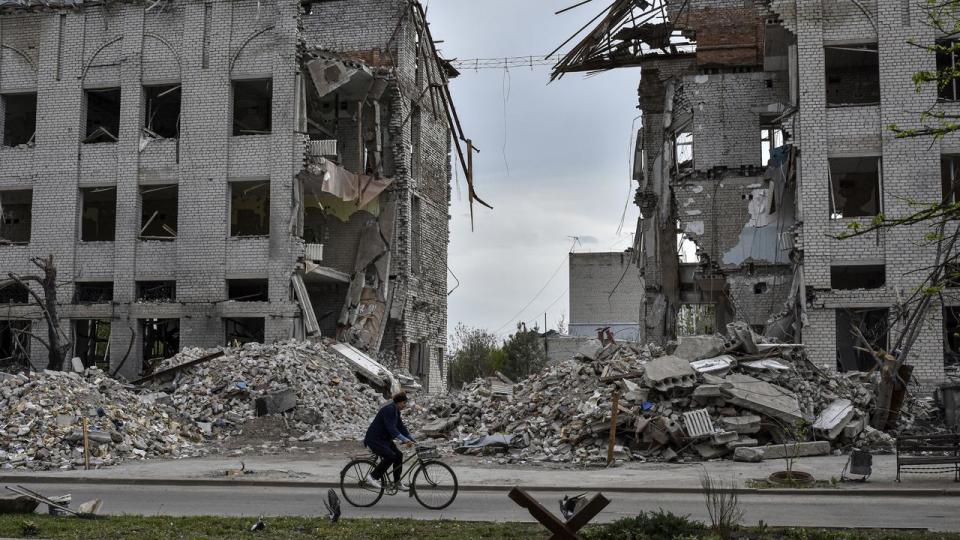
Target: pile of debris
(314, 388)
(41, 422)
(710, 397)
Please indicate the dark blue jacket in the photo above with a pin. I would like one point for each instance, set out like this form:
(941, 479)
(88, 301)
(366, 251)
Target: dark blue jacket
(387, 426)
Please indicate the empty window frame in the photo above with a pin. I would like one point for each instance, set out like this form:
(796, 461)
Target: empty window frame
(951, 275)
(873, 324)
(248, 290)
(950, 179)
(16, 209)
(951, 335)
(93, 292)
(161, 339)
(19, 118)
(696, 319)
(244, 330)
(98, 219)
(92, 342)
(14, 341)
(855, 187)
(852, 75)
(949, 60)
(250, 208)
(419, 362)
(103, 115)
(162, 111)
(771, 136)
(252, 106)
(156, 291)
(867, 276)
(13, 293)
(158, 212)
(683, 150)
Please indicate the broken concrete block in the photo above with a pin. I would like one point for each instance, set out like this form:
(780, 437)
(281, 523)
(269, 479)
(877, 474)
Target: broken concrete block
(276, 403)
(77, 364)
(724, 437)
(804, 449)
(741, 424)
(668, 372)
(745, 335)
(769, 364)
(717, 366)
(697, 347)
(709, 451)
(762, 397)
(834, 418)
(741, 442)
(749, 454)
(854, 428)
(707, 391)
(668, 454)
(441, 427)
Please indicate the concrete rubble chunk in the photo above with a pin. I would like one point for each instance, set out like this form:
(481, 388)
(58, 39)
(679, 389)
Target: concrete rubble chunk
(669, 372)
(747, 424)
(749, 455)
(762, 397)
(697, 347)
(706, 391)
(834, 419)
(802, 449)
(719, 365)
(277, 402)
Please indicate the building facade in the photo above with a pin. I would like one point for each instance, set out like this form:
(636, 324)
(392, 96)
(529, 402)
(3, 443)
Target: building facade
(605, 292)
(226, 171)
(765, 138)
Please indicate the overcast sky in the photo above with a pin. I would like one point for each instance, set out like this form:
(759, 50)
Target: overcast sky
(554, 164)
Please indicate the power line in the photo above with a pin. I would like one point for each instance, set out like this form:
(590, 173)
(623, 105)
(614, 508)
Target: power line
(545, 285)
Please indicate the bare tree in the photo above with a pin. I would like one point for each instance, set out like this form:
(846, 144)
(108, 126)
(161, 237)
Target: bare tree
(57, 344)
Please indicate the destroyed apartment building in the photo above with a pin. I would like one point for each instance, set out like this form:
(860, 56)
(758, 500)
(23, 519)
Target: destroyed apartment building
(206, 173)
(765, 135)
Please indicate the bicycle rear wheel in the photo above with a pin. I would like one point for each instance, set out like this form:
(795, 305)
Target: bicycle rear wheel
(354, 486)
(435, 485)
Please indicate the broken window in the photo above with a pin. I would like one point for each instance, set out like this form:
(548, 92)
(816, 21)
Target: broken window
(14, 341)
(244, 330)
(14, 293)
(161, 339)
(946, 62)
(92, 342)
(162, 111)
(252, 106)
(950, 178)
(19, 119)
(248, 290)
(416, 247)
(683, 150)
(855, 187)
(158, 212)
(250, 208)
(872, 323)
(16, 209)
(951, 336)
(93, 292)
(696, 319)
(771, 136)
(156, 291)
(99, 214)
(866, 276)
(103, 115)
(760, 288)
(951, 275)
(852, 75)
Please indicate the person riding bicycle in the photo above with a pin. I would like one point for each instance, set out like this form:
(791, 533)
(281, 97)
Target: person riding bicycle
(385, 428)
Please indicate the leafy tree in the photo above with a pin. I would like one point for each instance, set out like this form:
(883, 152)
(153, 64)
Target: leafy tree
(525, 353)
(476, 353)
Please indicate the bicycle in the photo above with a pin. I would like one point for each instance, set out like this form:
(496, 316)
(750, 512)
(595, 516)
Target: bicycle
(434, 483)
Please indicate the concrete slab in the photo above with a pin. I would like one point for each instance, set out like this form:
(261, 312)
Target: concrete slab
(762, 397)
(718, 365)
(697, 347)
(804, 449)
(746, 424)
(834, 418)
(668, 372)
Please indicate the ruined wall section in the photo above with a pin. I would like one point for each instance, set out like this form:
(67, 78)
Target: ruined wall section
(605, 291)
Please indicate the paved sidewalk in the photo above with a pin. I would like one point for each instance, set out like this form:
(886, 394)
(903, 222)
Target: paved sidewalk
(320, 471)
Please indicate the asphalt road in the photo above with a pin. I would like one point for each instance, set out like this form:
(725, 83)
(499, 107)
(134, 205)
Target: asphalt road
(935, 513)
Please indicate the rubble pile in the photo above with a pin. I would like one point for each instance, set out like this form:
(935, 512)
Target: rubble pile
(317, 390)
(711, 397)
(41, 422)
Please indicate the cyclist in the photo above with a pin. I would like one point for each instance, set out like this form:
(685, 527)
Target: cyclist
(385, 428)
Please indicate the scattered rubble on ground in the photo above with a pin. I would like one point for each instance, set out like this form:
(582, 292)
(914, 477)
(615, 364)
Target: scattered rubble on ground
(710, 398)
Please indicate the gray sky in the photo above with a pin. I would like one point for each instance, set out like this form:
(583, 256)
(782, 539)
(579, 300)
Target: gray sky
(554, 165)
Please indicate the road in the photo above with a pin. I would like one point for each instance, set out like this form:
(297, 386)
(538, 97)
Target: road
(935, 513)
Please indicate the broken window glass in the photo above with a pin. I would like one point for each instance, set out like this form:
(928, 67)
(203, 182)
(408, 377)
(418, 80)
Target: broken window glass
(950, 179)
(103, 115)
(19, 118)
(696, 319)
(252, 106)
(91, 342)
(13, 293)
(156, 291)
(866, 276)
(93, 292)
(947, 61)
(855, 187)
(162, 111)
(239, 331)
(872, 323)
(16, 209)
(161, 339)
(99, 214)
(852, 75)
(250, 208)
(683, 147)
(248, 290)
(158, 212)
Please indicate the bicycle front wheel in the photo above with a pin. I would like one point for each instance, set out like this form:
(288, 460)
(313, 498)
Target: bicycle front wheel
(354, 486)
(435, 485)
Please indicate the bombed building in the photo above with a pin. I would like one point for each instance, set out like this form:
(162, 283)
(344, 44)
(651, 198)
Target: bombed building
(765, 138)
(225, 171)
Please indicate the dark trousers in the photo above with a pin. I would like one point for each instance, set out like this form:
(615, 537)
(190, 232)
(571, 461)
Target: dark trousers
(389, 455)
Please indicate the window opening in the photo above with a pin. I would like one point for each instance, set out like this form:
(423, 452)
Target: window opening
(771, 136)
(248, 290)
(252, 107)
(14, 293)
(103, 115)
(250, 208)
(162, 111)
(852, 75)
(93, 292)
(683, 150)
(99, 214)
(16, 213)
(159, 205)
(156, 291)
(161, 340)
(243, 330)
(92, 342)
(946, 61)
(872, 323)
(19, 119)
(696, 319)
(855, 187)
(950, 179)
(871, 276)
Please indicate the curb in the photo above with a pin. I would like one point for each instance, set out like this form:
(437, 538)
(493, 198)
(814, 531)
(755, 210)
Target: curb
(196, 482)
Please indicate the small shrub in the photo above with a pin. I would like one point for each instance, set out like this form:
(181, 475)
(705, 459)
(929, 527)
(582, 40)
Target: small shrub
(659, 525)
(29, 528)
